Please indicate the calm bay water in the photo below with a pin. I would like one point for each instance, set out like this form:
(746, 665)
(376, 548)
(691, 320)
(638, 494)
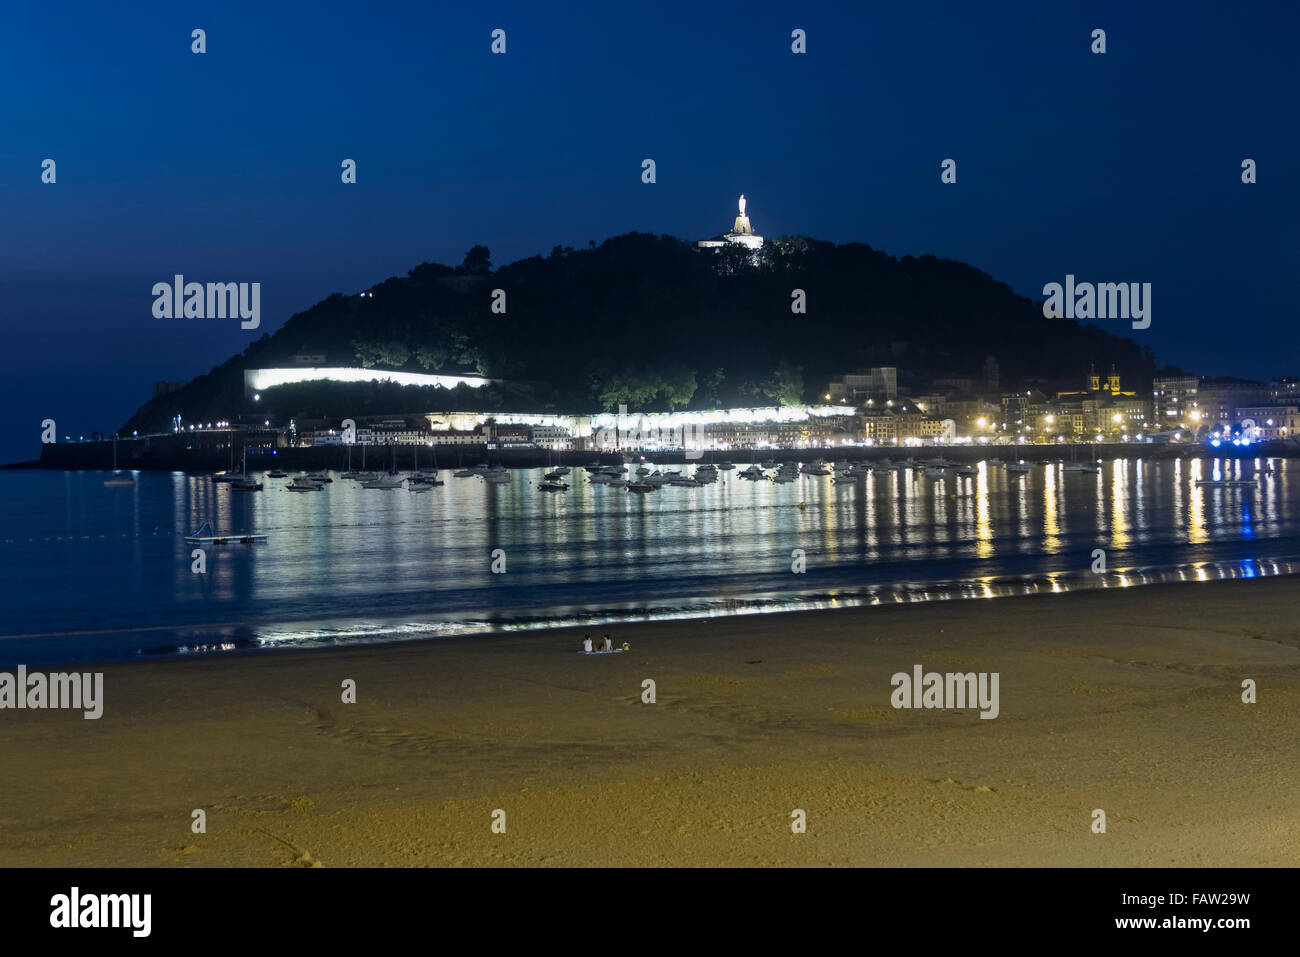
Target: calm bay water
(94, 573)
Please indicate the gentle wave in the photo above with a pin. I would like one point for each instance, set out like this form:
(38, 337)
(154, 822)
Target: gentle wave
(373, 633)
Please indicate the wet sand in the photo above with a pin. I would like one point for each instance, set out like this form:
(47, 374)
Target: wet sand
(1124, 700)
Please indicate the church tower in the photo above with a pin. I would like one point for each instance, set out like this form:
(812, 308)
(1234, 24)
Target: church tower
(1113, 385)
(1094, 380)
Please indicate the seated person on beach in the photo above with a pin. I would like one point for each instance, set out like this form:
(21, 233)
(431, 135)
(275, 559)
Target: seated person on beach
(586, 644)
(609, 645)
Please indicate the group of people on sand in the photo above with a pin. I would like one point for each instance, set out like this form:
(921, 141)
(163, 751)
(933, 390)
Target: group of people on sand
(605, 645)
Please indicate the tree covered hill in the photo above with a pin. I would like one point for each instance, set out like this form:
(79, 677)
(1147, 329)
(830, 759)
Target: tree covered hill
(655, 323)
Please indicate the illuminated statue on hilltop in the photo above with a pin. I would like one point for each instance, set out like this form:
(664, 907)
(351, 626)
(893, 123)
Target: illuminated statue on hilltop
(742, 227)
(742, 233)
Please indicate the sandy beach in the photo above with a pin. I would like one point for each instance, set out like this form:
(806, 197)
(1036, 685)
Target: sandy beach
(1123, 700)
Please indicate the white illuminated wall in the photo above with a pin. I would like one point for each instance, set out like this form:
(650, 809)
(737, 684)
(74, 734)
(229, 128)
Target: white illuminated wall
(258, 380)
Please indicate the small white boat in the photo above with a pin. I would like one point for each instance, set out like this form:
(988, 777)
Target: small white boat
(385, 481)
(243, 482)
(934, 471)
(968, 470)
(118, 479)
(303, 485)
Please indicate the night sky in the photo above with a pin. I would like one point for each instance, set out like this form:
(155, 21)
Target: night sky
(226, 166)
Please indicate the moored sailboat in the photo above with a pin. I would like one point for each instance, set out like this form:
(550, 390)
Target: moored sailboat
(118, 479)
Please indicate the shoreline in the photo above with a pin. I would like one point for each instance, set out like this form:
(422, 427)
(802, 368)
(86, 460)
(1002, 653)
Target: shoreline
(864, 599)
(1125, 700)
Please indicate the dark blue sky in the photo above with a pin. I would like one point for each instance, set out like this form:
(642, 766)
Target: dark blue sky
(225, 166)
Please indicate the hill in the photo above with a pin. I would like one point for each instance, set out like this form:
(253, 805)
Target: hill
(656, 323)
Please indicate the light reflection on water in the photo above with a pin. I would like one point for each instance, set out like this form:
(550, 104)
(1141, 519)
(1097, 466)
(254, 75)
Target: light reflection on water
(101, 572)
